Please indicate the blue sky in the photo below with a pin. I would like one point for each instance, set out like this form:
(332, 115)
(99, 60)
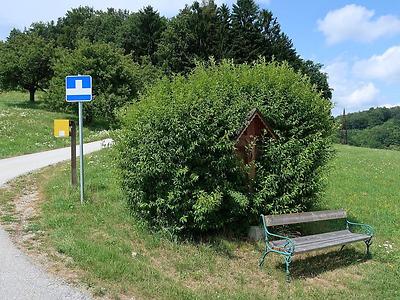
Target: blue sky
(357, 41)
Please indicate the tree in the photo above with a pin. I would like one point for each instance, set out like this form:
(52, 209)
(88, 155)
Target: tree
(224, 32)
(142, 32)
(198, 32)
(2, 48)
(176, 51)
(47, 30)
(317, 77)
(204, 23)
(68, 27)
(247, 41)
(276, 44)
(103, 26)
(25, 63)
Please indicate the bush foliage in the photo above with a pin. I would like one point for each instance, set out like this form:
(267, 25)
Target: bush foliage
(117, 80)
(176, 149)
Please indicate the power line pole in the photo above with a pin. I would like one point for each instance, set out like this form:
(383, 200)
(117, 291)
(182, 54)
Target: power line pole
(344, 128)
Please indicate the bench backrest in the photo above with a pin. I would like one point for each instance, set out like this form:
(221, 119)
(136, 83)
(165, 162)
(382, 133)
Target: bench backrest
(305, 217)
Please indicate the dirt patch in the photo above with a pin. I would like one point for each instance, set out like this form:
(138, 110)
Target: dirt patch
(25, 207)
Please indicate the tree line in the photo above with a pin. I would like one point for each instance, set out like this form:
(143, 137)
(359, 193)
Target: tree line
(143, 46)
(374, 128)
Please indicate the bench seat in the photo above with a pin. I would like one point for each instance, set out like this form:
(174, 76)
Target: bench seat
(321, 241)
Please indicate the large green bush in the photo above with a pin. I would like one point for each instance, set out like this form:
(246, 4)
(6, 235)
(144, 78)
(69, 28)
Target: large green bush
(117, 80)
(176, 149)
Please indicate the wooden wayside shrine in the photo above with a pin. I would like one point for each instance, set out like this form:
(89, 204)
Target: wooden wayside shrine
(254, 127)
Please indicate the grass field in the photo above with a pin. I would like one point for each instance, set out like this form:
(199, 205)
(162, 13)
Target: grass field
(28, 128)
(114, 255)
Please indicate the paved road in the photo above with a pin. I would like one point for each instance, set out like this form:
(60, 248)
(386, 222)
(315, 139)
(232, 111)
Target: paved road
(17, 166)
(20, 278)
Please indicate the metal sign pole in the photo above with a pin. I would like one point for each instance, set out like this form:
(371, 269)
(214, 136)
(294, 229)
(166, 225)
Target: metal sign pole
(81, 148)
(73, 153)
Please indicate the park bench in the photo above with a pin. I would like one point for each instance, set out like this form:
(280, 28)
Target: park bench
(288, 247)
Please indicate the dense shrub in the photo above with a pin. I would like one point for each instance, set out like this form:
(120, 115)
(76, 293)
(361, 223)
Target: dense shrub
(176, 149)
(117, 80)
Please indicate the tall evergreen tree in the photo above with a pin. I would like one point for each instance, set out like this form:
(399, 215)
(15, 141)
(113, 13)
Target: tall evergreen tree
(204, 21)
(192, 35)
(317, 77)
(141, 33)
(247, 41)
(276, 44)
(224, 33)
(176, 50)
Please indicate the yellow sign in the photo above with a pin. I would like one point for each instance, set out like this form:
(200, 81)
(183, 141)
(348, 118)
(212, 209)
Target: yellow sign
(61, 128)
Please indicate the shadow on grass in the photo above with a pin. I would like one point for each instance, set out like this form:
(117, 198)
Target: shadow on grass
(312, 266)
(97, 125)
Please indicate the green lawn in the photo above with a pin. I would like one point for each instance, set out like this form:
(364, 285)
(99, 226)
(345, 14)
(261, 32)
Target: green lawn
(28, 128)
(116, 256)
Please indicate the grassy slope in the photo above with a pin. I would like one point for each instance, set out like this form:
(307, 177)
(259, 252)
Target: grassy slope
(26, 128)
(116, 255)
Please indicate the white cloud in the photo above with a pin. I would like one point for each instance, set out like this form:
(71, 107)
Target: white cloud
(350, 92)
(384, 67)
(355, 22)
(362, 95)
(338, 75)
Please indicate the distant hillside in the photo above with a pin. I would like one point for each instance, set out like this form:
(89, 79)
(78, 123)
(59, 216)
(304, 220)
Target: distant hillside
(373, 128)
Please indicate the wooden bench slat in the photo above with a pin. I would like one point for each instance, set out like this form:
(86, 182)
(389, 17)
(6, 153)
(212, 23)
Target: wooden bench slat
(340, 241)
(321, 241)
(313, 238)
(305, 217)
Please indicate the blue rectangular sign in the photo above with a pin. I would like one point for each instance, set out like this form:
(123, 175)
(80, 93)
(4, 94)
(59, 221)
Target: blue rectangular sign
(78, 88)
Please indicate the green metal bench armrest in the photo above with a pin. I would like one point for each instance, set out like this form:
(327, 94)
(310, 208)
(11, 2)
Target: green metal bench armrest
(367, 228)
(288, 247)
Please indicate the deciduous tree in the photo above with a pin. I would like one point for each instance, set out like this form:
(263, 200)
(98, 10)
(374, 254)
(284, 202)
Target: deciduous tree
(25, 62)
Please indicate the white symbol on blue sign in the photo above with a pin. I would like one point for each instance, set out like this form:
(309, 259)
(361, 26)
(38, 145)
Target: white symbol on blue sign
(78, 88)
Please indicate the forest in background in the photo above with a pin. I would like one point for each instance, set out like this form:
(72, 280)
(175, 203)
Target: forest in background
(374, 128)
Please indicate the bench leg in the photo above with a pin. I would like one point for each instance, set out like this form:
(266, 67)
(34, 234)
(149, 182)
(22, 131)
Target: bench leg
(288, 260)
(261, 262)
(368, 243)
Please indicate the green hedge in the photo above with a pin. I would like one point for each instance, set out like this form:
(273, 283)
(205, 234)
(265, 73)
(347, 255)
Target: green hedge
(176, 149)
